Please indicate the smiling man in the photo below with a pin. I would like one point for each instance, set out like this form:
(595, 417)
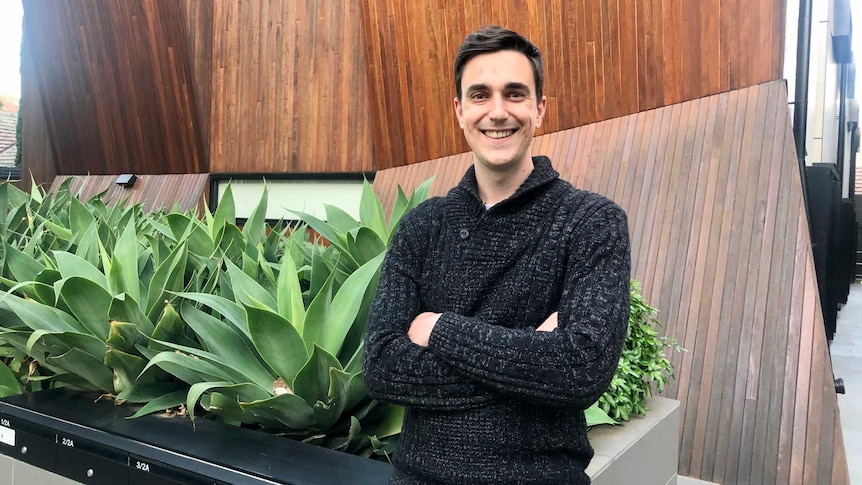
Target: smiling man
(502, 307)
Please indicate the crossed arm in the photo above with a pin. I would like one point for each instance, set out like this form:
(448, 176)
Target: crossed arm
(422, 326)
(450, 361)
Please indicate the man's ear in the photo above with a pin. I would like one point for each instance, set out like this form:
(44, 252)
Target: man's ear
(458, 113)
(543, 104)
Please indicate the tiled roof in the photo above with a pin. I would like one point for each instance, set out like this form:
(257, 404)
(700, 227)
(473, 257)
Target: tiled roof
(8, 149)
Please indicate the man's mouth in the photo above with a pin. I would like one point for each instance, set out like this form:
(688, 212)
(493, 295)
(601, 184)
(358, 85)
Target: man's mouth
(497, 134)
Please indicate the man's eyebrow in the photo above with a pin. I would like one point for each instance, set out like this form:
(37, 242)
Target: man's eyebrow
(514, 85)
(477, 87)
(518, 86)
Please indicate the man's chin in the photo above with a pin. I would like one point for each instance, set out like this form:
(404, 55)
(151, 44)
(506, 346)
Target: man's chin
(500, 164)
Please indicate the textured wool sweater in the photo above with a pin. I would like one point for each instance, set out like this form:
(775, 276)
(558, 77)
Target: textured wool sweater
(491, 400)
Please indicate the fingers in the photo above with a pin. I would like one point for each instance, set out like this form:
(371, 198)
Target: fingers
(549, 324)
(420, 328)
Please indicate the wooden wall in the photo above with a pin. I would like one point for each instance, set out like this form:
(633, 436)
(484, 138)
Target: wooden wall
(284, 86)
(720, 242)
(289, 88)
(184, 86)
(155, 192)
(115, 85)
(37, 156)
(604, 59)
(197, 19)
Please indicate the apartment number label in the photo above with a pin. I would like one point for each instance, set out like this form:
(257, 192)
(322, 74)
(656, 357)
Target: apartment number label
(67, 442)
(144, 467)
(7, 434)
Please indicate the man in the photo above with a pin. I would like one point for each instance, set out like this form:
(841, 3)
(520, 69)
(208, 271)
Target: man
(502, 307)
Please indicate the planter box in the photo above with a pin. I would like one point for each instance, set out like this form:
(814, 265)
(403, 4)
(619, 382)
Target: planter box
(66, 433)
(53, 436)
(644, 450)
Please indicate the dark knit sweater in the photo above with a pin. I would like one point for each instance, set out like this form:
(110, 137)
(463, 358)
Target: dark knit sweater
(491, 400)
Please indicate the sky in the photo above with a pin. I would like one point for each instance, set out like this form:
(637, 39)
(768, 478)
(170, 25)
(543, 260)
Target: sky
(10, 47)
(10, 42)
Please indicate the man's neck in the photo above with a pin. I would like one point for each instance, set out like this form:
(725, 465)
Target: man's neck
(496, 186)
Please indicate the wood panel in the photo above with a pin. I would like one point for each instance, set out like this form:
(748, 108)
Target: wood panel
(720, 242)
(198, 28)
(116, 85)
(279, 86)
(155, 192)
(37, 157)
(603, 59)
(289, 88)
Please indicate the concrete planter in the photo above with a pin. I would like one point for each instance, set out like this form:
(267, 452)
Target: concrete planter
(644, 451)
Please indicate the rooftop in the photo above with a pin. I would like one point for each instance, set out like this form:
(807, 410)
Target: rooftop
(8, 149)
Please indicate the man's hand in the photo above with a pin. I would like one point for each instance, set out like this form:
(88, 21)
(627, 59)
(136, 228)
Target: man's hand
(421, 327)
(549, 324)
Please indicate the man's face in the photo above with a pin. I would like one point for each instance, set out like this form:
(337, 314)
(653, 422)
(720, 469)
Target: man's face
(498, 109)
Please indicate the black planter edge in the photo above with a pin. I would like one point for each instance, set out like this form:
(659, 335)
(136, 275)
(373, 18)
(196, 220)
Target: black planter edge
(214, 452)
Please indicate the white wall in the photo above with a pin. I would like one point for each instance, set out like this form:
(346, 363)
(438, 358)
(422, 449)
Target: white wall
(823, 92)
(307, 196)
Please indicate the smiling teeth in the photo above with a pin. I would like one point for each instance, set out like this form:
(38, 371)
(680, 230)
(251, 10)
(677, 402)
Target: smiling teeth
(499, 134)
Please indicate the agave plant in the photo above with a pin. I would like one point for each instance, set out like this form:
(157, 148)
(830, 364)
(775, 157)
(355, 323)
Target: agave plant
(11, 370)
(258, 326)
(282, 343)
(76, 303)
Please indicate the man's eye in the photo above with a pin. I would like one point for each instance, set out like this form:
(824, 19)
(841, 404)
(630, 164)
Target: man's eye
(479, 96)
(517, 95)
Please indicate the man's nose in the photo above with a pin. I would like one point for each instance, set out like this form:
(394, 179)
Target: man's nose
(498, 108)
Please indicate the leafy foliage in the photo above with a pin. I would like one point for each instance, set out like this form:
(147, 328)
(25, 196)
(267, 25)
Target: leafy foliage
(643, 363)
(255, 325)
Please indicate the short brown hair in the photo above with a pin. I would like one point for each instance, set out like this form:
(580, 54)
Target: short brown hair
(494, 38)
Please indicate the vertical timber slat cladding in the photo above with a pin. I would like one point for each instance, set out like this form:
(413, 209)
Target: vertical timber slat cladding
(289, 88)
(116, 85)
(155, 192)
(603, 59)
(198, 18)
(770, 392)
(720, 242)
(37, 155)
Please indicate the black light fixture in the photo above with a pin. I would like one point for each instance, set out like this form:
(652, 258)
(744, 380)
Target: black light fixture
(126, 180)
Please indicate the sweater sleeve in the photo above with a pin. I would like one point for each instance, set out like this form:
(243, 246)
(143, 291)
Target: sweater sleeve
(395, 369)
(574, 364)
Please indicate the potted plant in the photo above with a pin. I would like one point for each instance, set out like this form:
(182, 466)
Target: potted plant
(258, 326)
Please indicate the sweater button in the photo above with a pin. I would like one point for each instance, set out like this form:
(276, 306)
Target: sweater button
(464, 233)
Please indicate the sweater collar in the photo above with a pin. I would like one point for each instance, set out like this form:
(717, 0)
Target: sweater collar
(543, 173)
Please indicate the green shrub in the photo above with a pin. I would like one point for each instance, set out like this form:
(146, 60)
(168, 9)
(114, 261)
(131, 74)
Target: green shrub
(643, 363)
